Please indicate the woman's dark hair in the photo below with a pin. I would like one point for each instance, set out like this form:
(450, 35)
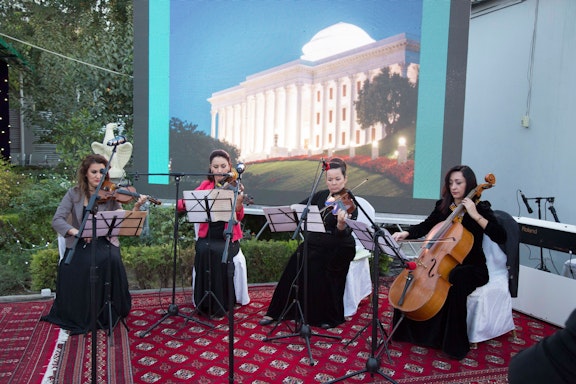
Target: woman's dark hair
(218, 153)
(471, 183)
(81, 175)
(337, 162)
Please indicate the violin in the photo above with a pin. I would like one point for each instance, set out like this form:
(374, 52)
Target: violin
(231, 182)
(123, 195)
(341, 201)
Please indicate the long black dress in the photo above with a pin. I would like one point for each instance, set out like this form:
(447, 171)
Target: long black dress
(329, 255)
(72, 308)
(447, 330)
(211, 280)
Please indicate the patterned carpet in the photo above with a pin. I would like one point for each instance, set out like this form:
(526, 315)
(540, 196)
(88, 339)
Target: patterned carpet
(179, 350)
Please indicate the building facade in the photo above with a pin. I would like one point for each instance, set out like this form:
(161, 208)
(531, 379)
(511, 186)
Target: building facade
(306, 106)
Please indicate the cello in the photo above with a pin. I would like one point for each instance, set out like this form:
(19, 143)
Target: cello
(420, 293)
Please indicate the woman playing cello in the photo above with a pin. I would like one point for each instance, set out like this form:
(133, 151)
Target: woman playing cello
(447, 329)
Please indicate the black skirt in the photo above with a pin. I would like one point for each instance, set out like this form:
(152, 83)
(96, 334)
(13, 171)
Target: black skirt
(321, 294)
(211, 285)
(72, 308)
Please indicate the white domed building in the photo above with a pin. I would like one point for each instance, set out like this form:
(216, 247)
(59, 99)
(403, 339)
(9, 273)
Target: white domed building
(307, 106)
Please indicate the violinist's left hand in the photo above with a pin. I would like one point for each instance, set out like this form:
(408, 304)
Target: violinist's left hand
(140, 202)
(470, 207)
(342, 215)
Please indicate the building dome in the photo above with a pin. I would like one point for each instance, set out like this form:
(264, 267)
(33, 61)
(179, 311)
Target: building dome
(335, 39)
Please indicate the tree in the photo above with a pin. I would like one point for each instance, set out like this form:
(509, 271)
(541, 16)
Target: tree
(389, 99)
(80, 77)
(191, 148)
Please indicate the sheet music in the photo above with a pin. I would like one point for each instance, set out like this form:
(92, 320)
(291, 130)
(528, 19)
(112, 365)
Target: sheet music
(314, 219)
(366, 236)
(280, 219)
(115, 223)
(208, 205)
(286, 218)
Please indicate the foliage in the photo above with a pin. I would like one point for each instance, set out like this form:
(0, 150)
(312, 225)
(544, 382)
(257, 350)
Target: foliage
(159, 229)
(389, 99)
(184, 136)
(44, 269)
(9, 182)
(36, 205)
(78, 72)
(265, 260)
(153, 266)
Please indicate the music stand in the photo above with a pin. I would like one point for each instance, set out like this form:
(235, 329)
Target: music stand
(173, 309)
(107, 224)
(286, 218)
(378, 241)
(206, 206)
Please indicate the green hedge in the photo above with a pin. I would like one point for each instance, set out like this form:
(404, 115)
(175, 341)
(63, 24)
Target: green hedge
(44, 269)
(265, 260)
(150, 267)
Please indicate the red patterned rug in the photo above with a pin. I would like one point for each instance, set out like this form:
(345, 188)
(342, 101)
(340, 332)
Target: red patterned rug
(113, 364)
(26, 343)
(181, 351)
(178, 351)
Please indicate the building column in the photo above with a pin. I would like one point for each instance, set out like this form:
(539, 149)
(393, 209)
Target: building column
(299, 120)
(324, 117)
(213, 114)
(338, 143)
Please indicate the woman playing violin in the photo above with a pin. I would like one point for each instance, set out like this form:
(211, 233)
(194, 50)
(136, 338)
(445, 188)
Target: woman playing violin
(447, 330)
(210, 271)
(329, 256)
(72, 307)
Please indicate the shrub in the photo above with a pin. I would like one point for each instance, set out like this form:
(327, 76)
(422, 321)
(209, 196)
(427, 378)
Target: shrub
(153, 266)
(44, 269)
(265, 260)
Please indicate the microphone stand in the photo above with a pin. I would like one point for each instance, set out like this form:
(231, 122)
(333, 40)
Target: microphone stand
(173, 307)
(304, 329)
(542, 265)
(92, 208)
(226, 259)
(373, 363)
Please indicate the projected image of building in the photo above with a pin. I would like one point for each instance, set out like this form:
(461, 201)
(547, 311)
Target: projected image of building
(307, 106)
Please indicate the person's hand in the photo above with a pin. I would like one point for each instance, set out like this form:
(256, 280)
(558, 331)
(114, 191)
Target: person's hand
(140, 202)
(399, 236)
(342, 215)
(471, 208)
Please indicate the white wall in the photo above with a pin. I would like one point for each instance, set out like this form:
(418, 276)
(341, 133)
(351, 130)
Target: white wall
(539, 160)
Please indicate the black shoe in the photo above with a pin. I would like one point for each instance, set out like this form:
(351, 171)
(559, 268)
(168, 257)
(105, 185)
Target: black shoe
(266, 320)
(325, 326)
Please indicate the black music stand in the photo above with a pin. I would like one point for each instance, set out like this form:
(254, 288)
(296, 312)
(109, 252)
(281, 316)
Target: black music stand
(378, 241)
(206, 206)
(113, 223)
(286, 219)
(173, 309)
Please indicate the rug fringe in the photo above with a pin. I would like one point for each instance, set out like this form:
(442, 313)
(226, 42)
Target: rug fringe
(52, 368)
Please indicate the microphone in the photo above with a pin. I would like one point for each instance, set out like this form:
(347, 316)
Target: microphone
(116, 141)
(325, 165)
(240, 168)
(525, 200)
(553, 210)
